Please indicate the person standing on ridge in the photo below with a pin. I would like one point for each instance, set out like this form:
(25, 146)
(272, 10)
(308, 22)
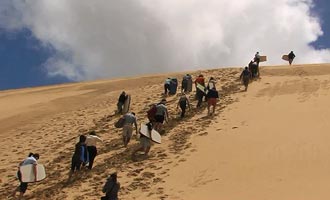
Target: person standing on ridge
(245, 77)
(291, 57)
(121, 101)
(129, 120)
(257, 58)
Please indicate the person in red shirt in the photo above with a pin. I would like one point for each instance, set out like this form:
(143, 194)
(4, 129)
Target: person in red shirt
(199, 93)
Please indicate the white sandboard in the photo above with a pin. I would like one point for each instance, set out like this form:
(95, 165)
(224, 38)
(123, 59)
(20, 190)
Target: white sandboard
(28, 174)
(211, 85)
(127, 104)
(263, 58)
(155, 136)
(285, 57)
(200, 87)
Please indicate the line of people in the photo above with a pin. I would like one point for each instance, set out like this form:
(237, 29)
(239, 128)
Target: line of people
(85, 149)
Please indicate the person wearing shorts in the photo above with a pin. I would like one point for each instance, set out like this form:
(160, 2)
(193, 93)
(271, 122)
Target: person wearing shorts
(212, 96)
(129, 120)
(31, 159)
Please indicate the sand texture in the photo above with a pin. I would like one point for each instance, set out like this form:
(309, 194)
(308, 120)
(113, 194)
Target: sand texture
(271, 142)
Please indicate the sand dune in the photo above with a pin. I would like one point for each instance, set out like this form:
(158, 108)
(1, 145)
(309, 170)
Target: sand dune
(270, 142)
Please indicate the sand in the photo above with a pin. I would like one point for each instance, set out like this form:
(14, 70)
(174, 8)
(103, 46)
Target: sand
(270, 142)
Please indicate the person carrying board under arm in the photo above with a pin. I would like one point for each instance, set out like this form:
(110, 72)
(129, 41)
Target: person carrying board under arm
(145, 143)
(31, 159)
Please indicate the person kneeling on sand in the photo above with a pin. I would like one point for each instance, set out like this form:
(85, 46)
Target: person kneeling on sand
(245, 77)
(145, 142)
(129, 120)
(31, 159)
(111, 188)
(212, 96)
(79, 156)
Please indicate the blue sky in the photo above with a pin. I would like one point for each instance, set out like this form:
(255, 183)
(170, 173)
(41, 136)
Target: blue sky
(23, 56)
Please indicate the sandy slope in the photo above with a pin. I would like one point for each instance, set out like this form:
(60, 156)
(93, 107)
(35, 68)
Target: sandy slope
(268, 143)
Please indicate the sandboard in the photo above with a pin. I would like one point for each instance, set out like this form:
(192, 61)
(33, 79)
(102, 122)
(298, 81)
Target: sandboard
(200, 87)
(285, 57)
(127, 104)
(28, 175)
(263, 59)
(211, 85)
(120, 123)
(155, 136)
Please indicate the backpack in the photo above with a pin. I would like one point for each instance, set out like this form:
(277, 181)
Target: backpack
(152, 112)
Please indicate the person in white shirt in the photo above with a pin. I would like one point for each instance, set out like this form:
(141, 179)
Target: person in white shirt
(31, 159)
(91, 140)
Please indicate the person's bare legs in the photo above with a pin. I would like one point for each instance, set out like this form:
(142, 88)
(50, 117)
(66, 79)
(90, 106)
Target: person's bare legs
(213, 109)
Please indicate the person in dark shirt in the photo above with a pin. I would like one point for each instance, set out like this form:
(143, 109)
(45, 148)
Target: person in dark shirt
(212, 96)
(183, 103)
(245, 77)
(291, 57)
(80, 155)
(121, 101)
(111, 188)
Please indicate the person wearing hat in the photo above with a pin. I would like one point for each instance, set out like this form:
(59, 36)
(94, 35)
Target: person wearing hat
(31, 159)
(161, 115)
(111, 188)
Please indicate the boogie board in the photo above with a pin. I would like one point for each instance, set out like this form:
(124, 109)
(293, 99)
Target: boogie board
(211, 85)
(285, 57)
(28, 174)
(127, 104)
(263, 58)
(200, 87)
(120, 123)
(155, 136)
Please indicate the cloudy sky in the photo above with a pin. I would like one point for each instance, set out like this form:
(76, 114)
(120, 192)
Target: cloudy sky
(47, 42)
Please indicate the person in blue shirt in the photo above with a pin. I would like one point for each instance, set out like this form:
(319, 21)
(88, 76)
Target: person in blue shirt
(80, 155)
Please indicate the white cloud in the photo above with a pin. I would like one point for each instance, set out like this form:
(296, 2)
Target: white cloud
(106, 38)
